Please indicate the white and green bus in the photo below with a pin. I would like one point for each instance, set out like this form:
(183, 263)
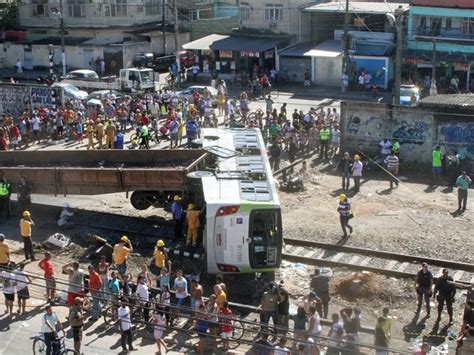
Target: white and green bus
(242, 232)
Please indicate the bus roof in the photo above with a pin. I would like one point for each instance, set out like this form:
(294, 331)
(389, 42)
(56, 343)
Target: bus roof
(244, 177)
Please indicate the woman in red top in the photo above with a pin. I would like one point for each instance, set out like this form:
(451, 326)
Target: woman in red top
(226, 324)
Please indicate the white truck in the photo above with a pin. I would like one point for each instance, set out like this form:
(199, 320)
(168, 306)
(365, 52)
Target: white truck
(133, 80)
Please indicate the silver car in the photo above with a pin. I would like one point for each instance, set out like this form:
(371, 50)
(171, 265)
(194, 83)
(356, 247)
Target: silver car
(188, 93)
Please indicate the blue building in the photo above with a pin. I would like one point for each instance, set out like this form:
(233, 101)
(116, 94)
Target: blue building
(441, 33)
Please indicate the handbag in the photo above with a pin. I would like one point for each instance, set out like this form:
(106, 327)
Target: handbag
(350, 216)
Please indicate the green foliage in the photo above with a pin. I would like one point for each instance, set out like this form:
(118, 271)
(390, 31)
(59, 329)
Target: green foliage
(9, 16)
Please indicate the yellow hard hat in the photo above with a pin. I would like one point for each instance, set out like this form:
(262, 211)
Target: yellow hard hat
(26, 214)
(190, 206)
(356, 157)
(342, 197)
(176, 198)
(134, 142)
(124, 239)
(160, 243)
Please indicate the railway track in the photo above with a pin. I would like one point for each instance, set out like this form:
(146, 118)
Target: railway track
(382, 262)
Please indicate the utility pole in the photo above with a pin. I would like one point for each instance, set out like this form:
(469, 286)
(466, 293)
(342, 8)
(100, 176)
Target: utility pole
(345, 47)
(163, 24)
(59, 12)
(399, 19)
(176, 35)
(433, 90)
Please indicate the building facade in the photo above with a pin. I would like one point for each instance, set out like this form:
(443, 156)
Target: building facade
(441, 33)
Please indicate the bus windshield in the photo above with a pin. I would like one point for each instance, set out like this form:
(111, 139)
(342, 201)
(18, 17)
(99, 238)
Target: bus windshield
(265, 236)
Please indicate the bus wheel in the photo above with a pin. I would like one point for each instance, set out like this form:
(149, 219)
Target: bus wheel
(139, 200)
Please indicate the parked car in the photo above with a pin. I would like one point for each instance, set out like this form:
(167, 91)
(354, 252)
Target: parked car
(84, 74)
(188, 93)
(409, 95)
(104, 94)
(71, 92)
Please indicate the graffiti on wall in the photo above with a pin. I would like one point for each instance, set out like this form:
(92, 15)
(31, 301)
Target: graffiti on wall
(454, 134)
(14, 99)
(356, 125)
(411, 132)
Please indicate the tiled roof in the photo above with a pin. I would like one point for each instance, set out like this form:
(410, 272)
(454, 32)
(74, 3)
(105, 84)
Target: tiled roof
(461, 101)
(462, 4)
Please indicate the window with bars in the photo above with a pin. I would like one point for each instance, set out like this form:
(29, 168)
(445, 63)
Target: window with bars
(116, 8)
(245, 10)
(273, 12)
(39, 8)
(76, 8)
(152, 7)
(468, 26)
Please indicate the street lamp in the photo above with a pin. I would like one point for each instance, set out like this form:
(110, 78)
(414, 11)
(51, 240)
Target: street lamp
(59, 12)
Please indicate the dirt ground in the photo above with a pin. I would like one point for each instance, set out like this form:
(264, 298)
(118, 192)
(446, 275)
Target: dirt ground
(410, 219)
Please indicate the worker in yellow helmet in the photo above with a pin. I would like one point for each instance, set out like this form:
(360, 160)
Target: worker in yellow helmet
(26, 224)
(120, 254)
(192, 220)
(356, 170)
(160, 257)
(345, 214)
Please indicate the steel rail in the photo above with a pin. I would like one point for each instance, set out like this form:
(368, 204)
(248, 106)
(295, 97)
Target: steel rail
(381, 254)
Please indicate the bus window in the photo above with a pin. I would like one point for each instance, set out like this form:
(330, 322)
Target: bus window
(265, 237)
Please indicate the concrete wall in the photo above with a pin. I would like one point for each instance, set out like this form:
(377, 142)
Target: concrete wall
(130, 49)
(295, 67)
(364, 125)
(205, 27)
(156, 43)
(327, 70)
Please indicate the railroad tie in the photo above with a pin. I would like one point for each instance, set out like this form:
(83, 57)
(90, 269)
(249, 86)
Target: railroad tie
(309, 253)
(403, 266)
(391, 264)
(365, 262)
(354, 260)
(337, 257)
(289, 249)
(458, 275)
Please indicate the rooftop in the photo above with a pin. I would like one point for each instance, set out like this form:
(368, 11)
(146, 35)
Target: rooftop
(462, 4)
(461, 101)
(357, 7)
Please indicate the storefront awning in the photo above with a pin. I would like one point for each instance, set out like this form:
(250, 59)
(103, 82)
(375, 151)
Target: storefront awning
(248, 44)
(328, 49)
(204, 44)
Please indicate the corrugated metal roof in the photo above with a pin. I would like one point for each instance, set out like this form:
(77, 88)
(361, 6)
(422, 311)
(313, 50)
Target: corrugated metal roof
(356, 7)
(462, 4)
(251, 44)
(204, 43)
(462, 101)
(328, 49)
(297, 50)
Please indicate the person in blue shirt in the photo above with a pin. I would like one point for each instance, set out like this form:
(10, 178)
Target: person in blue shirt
(192, 129)
(462, 182)
(177, 211)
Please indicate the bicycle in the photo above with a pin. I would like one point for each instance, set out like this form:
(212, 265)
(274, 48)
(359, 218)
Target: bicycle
(39, 346)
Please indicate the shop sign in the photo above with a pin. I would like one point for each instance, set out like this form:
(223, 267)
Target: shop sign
(269, 54)
(461, 66)
(249, 54)
(225, 54)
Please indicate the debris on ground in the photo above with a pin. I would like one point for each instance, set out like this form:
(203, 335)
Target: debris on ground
(292, 183)
(58, 240)
(358, 285)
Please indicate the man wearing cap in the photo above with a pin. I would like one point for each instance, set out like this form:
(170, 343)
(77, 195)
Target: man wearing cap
(356, 170)
(160, 257)
(345, 213)
(26, 224)
(120, 254)
(444, 292)
(177, 211)
(110, 131)
(90, 135)
(462, 182)
(192, 219)
(4, 253)
(100, 132)
(76, 321)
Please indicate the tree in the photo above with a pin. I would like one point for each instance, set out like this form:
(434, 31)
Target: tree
(9, 16)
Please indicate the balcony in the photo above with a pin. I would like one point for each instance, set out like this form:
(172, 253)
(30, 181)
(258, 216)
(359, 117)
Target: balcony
(443, 35)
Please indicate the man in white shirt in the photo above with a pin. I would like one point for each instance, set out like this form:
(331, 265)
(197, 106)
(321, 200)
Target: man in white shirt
(361, 81)
(195, 70)
(181, 288)
(143, 297)
(125, 326)
(385, 148)
(367, 81)
(335, 334)
(9, 287)
(35, 123)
